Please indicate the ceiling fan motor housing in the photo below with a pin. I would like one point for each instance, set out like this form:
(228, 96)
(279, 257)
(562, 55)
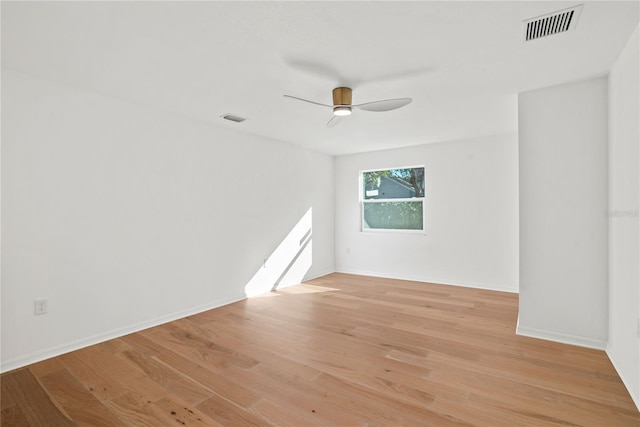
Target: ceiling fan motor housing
(342, 101)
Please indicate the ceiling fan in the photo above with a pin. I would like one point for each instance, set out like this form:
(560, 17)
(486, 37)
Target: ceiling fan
(342, 104)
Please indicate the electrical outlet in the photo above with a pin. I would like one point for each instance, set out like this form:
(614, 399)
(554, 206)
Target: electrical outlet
(40, 306)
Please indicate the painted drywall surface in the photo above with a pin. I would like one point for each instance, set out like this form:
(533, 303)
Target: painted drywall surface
(123, 217)
(471, 195)
(563, 200)
(624, 236)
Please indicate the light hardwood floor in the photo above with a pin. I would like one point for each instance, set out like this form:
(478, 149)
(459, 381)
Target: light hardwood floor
(341, 350)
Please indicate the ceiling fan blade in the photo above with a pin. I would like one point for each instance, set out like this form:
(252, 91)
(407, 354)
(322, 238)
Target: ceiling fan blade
(333, 121)
(385, 105)
(306, 100)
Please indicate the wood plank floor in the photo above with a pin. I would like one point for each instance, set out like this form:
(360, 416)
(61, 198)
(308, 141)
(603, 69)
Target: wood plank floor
(341, 350)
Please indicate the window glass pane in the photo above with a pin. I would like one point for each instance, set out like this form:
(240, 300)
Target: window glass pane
(393, 183)
(393, 215)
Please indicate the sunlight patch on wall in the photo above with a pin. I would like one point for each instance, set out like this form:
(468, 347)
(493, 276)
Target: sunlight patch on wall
(288, 264)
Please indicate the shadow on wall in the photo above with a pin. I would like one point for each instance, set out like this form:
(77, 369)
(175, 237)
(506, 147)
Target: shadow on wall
(288, 264)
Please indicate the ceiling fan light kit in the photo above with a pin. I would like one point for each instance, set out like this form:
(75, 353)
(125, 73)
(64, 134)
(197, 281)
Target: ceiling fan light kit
(341, 110)
(342, 105)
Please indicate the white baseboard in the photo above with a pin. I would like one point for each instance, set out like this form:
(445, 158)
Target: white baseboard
(632, 388)
(424, 279)
(39, 356)
(9, 365)
(317, 275)
(560, 337)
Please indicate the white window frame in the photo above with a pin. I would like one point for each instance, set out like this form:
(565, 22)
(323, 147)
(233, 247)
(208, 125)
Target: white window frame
(364, 201)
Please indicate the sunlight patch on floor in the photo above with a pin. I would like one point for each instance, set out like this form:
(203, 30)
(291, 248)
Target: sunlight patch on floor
(301, 289)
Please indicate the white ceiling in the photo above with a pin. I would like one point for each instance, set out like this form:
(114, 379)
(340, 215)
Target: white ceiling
(463, 63)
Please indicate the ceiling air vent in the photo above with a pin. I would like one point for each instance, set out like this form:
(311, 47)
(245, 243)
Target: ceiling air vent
(233, 118)
(552, 23)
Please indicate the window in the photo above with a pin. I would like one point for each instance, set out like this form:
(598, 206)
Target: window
(393, 199)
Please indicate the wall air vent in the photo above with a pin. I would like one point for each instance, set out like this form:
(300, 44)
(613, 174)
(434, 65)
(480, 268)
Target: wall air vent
(233, 118)
(552, 23)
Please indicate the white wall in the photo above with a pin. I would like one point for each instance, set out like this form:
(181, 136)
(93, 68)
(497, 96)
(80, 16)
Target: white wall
(124, 217)
(471, 216)
(563, 200)
(624, 238)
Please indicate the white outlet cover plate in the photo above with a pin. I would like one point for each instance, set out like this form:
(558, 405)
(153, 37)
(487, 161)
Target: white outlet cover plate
(40, 306)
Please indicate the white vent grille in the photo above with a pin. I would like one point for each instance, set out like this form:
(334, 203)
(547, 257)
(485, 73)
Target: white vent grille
(233, 118)
(552, 23)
